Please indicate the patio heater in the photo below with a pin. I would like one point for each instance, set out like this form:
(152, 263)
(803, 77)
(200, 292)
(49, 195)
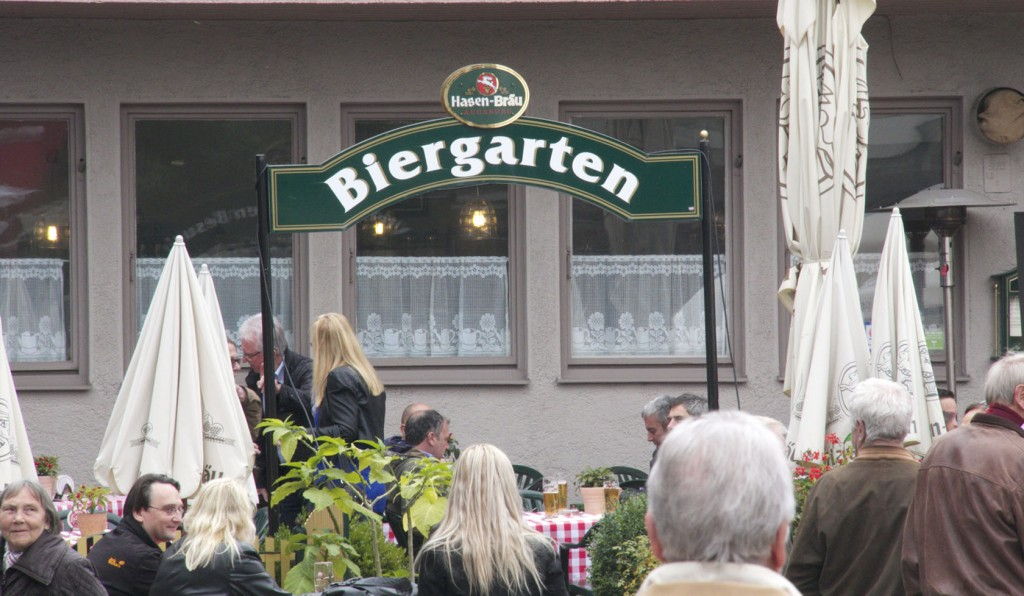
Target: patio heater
(944, 210)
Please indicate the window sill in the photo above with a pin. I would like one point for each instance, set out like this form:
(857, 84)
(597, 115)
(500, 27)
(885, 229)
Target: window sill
(646, 373)
(410, 376)
(50, 381)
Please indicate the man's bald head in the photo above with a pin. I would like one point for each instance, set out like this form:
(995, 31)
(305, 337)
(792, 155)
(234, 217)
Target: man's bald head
(409, 410)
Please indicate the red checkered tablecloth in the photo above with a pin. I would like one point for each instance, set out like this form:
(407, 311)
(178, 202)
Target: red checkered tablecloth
(563, 529)
(567, 529)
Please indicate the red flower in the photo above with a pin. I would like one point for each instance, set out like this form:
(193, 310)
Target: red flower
(832, 439)
(815, 473)
(799, 471)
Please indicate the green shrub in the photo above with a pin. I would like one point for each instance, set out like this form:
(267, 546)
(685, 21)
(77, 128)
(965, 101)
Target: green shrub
(392, 557)
(620, 553)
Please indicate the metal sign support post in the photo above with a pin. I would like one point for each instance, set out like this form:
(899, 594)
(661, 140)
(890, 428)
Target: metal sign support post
(269, 386)
(706, 223)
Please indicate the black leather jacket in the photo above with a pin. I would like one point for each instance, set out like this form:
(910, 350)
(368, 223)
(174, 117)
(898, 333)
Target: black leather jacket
(436, 579)
(244, 575)
(50, 568)
(348, 410)
(126, 559)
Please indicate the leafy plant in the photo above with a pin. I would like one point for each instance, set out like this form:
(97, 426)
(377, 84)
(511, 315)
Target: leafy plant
(46, 465)
(425, 488)
(593, 477)
(90, 499)
(361, 533)
(620, 552)
(812, 466)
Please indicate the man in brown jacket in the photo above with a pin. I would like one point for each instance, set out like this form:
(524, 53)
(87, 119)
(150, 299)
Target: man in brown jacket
(850, 533)
(965, 529)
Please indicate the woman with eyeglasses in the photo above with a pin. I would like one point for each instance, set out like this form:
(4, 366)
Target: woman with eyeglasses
(482, 546)
(217, 555)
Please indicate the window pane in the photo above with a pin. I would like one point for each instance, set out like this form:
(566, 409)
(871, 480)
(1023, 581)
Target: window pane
(637, 288)
(432, 271)
(905, 155)
(35, 234)
(196, 178)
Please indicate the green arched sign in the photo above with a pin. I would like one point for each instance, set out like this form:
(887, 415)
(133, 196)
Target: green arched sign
(445, 153)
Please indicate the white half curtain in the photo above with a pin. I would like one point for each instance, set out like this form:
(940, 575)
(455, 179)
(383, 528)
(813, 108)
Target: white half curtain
(237, 281)
(432, 306)
(642, 305)
(32, 309)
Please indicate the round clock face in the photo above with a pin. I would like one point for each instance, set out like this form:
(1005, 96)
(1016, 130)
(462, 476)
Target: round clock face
(1001, 115)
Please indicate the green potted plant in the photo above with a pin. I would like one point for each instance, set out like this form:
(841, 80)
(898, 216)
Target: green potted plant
(619, 550)
(46, 470)
(591, 485)
(89, 503)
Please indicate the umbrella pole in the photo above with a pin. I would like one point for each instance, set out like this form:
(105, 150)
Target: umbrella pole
(706, 221)
(270, 471)
(946, 281)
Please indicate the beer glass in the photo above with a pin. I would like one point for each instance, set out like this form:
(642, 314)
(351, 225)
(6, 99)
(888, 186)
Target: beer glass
(611, 496)
(563, 495)
(323, 575)
(550, 498)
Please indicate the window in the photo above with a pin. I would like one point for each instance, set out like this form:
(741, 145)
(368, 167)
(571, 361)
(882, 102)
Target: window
(192, 172)
(42, 248)
(633, 291)
(910, 148)
(435, 277)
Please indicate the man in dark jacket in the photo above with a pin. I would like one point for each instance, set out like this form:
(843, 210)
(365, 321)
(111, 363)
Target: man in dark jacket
(852, 527)
(428, 433)
(293, 383)
(36, 559)
(965, 529)
(126, 560)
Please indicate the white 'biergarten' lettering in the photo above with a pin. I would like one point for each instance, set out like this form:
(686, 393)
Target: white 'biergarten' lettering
(351, 188)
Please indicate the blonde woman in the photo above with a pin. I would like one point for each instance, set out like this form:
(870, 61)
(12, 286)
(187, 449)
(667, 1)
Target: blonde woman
(217, 554)
(482, 546)
(348, 397)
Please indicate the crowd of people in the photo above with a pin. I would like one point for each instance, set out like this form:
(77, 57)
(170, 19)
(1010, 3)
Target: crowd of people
(720, 499)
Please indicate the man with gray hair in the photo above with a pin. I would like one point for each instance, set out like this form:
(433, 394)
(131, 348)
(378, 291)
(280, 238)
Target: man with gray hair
(659, 413)
(965, 529)
(720, 500)
(852, 524)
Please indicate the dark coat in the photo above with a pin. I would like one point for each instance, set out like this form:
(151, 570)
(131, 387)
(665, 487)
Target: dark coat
(348, 410)
(965, 528)
(293, 399)
(126, 559)
(243, 575)
(435, 579)
(51, 568)
(852, 526)
(396, 505)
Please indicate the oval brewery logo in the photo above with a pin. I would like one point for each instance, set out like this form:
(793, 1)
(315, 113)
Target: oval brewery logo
(485, 95)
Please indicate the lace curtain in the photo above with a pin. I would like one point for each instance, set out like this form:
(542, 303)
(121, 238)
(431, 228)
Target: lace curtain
(237, 281)
(924, 270)
(32, 309)
(641, 305)
(433, 306)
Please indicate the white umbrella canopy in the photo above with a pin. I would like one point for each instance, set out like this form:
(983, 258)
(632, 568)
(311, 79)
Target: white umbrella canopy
(213, 305)
(16, 461)
(899, 351)
(823, 135)
(177, 412)
(837, 353)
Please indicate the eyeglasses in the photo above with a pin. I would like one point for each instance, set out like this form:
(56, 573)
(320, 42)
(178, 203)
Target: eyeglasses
(170, 509)
(251, 355)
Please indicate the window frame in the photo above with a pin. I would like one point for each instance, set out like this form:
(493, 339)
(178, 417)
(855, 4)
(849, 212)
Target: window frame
(498, 370)
(663, 369)
(951, 109)
(71, 374)
(132, 113)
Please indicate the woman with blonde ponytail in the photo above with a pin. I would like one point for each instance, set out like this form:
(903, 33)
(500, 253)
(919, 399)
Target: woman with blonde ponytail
(348, 397)
(482, 546)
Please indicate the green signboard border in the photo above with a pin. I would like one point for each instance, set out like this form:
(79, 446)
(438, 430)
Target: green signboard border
(693, 157)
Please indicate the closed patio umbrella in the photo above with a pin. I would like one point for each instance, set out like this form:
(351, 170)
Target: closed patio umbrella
(837, 351)
(177, 412)
(823, 126)
(898, 349)
(15, 453)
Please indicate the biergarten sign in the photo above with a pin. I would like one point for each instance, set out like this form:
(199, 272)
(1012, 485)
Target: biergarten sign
(485, 141)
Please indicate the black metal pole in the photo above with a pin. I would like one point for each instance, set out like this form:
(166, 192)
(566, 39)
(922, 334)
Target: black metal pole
(1018, 232)
(270, 460)
(706, 229)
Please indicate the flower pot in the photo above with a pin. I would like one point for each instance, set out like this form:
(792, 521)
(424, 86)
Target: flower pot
(593, 499)
(49, 484)
(91, 523)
